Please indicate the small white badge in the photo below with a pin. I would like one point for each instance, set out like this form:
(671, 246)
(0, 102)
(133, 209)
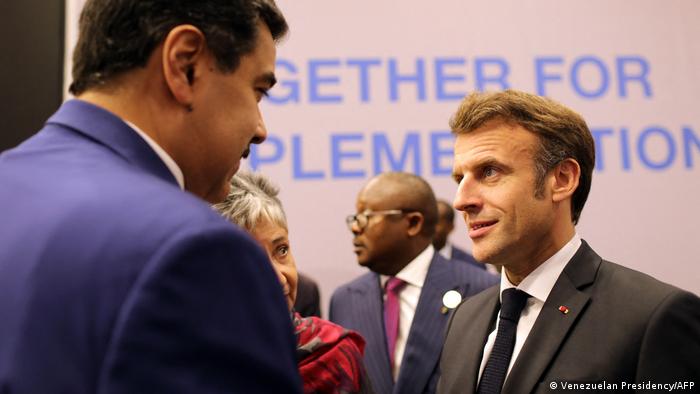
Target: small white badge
(451, 299)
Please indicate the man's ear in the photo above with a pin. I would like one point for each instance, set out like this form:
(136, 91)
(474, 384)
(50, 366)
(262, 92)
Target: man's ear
(565, 177)
(183, 53)
(415, 223)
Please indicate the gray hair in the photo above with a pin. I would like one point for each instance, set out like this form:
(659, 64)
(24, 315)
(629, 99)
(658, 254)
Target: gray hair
(252, 197)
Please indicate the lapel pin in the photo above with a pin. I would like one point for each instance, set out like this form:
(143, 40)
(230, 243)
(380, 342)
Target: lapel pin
(563, 309)
(450, 301)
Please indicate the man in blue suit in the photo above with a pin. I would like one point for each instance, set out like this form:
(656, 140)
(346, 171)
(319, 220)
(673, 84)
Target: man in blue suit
(112, 278)
(403, 305)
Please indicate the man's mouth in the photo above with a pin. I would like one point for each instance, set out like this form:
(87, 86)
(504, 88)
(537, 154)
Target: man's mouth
(357, 246)
(480, 228)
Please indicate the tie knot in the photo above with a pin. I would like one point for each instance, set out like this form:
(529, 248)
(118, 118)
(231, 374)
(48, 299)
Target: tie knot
(512, 303)
(394, 284)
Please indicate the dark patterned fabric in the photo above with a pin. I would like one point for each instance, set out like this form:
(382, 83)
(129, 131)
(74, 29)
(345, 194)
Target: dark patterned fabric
(512, 304)
(358, 306)
(330, 357)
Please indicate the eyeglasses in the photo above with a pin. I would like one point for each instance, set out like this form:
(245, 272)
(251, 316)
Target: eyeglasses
(362, 219)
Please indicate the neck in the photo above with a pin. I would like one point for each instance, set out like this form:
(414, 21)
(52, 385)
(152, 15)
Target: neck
(411, 252)
(439, 245)
(547, 247)
(134, 103)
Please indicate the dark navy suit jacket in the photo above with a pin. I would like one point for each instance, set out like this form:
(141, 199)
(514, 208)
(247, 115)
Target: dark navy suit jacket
(463, 255)
(358, 305)
(113, 280)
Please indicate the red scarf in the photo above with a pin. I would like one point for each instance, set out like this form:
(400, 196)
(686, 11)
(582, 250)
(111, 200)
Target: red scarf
(329, 356)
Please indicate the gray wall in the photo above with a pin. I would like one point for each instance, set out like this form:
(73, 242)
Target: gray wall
(31, 69)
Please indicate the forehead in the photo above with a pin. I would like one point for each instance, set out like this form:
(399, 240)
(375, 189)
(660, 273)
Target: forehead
(495, 140)
(381, 193)
(269, 231)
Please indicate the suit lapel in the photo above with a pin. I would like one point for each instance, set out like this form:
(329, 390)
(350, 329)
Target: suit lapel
(427, 332)
(370, 318)
(552, 326)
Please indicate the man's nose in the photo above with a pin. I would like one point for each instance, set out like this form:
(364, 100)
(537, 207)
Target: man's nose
(260, 130)
(467, 198)
(355, 228)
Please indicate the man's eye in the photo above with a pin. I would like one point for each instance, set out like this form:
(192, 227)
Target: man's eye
(489, 171)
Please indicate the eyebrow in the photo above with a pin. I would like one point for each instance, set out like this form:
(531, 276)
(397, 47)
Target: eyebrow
(279, 239)
(268, 78)
(487, 161)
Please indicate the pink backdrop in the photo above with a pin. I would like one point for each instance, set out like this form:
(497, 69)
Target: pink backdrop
(367, 86)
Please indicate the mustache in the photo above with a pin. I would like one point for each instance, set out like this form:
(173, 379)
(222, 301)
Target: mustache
(246, 152)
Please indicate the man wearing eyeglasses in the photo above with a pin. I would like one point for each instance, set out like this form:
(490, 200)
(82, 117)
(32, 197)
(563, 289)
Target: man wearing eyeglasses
(402, 306)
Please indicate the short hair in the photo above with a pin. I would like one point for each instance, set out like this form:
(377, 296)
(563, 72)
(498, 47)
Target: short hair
(252, 197)
(562, 133)
(449, 212)
(119, 35)
(418, 196)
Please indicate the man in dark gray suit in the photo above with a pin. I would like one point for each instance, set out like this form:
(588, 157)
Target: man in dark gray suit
(402, 306)
(563, 318)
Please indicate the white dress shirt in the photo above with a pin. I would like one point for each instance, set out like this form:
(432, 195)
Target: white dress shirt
(164, 156)
(538, 284)
(446, 251)
(414, 275)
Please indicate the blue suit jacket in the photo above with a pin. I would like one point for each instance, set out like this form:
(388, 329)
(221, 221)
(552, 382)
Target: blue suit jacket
(358, 305)
(113, 280)
(463, 255)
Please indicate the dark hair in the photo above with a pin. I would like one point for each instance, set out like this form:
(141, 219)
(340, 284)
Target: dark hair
(449, 215)
(562, 133)
(120, 35)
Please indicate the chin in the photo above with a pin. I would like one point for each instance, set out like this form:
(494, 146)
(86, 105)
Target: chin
(483, 255)
(215, 198)
(367, 263)
(219, 194)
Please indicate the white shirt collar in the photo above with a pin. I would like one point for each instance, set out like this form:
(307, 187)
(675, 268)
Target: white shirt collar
(540, 282)
(414, 273)
(446, 251)
(164, 156)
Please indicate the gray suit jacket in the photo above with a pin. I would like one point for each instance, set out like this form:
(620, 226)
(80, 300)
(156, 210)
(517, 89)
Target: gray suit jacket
(623, 326)
(358, 306)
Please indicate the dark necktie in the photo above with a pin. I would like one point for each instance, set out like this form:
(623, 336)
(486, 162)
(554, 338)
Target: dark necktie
(512, 303)
(391, 314)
